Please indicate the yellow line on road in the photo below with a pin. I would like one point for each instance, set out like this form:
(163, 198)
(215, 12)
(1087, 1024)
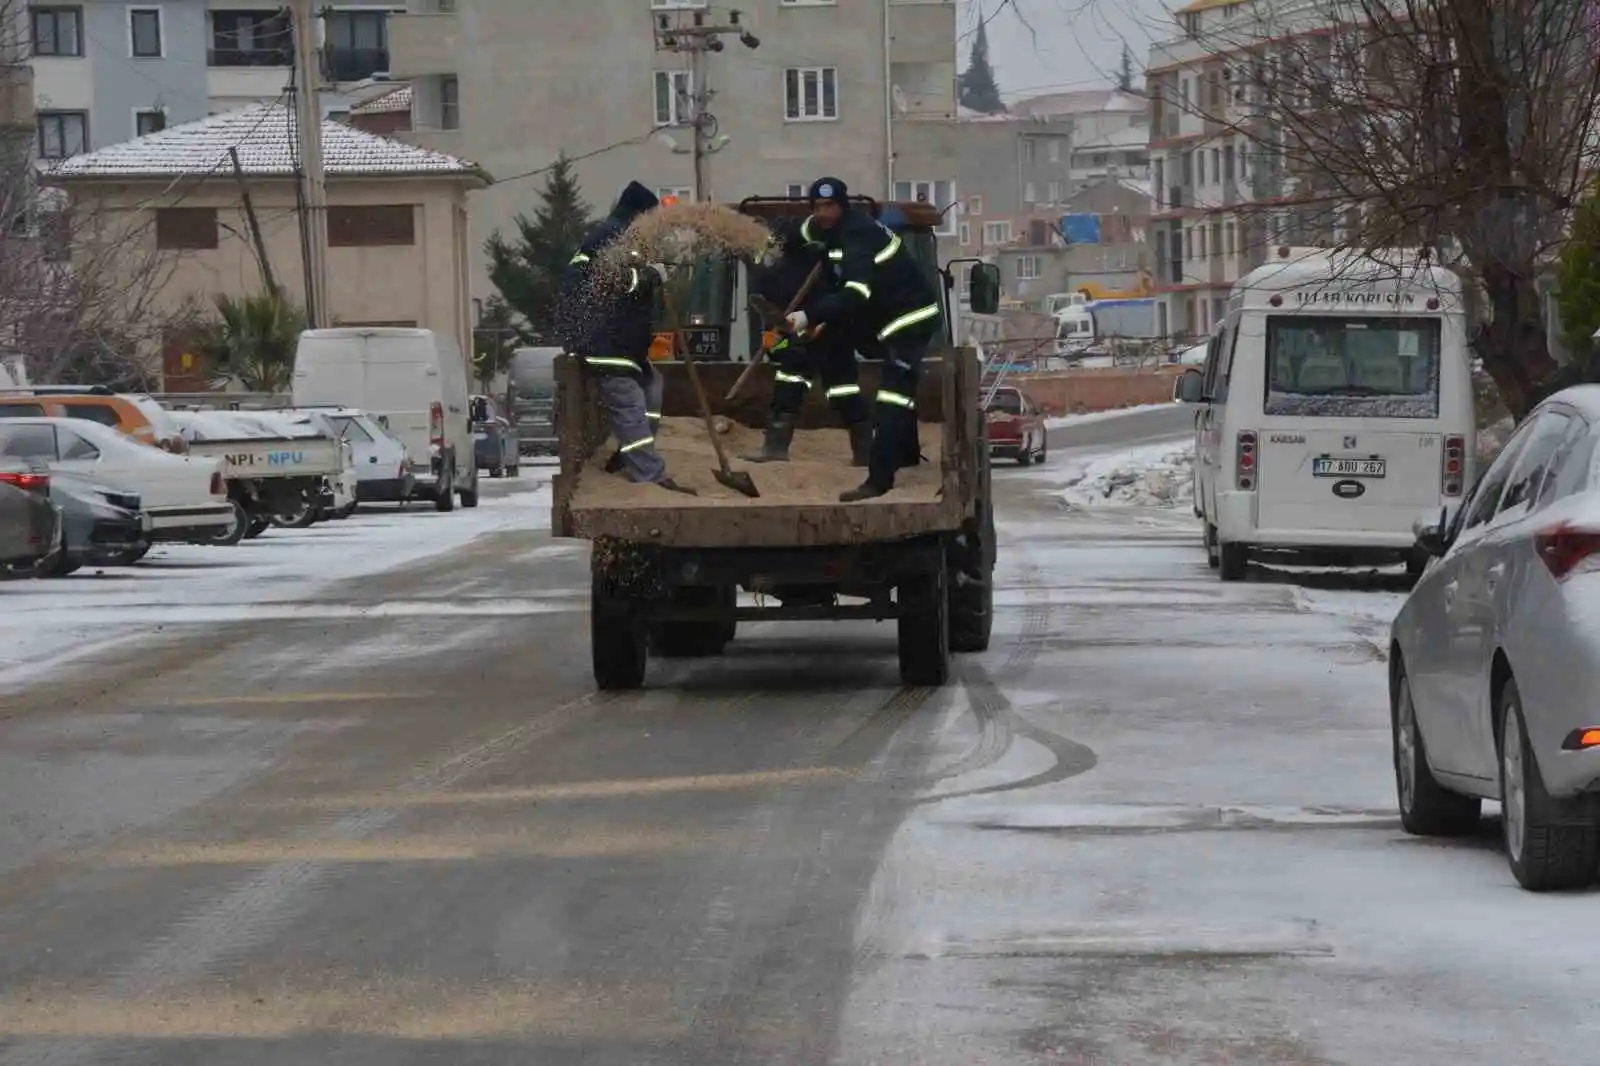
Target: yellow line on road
(593, 843)
(580, 790)
(298, 697)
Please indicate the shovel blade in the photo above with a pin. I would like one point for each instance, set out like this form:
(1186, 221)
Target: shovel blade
(738, 481)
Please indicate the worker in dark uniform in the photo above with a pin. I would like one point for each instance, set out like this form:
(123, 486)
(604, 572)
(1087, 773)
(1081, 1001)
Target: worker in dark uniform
(881, 288)
(606, 316)
(800, 362)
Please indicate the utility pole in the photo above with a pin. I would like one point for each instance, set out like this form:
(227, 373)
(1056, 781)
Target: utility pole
(692, 33)
(313, 187)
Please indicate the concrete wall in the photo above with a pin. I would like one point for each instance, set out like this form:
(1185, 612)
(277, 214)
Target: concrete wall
(175, 83)
(424, 283)
(1068, 392)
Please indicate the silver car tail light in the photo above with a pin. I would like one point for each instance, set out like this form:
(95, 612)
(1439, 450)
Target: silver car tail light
(1244, 470)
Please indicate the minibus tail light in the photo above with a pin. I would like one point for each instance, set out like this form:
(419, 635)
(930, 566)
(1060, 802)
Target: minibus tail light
(1245, 461)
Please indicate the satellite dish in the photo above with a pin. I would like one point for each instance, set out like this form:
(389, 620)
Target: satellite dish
(899, 97)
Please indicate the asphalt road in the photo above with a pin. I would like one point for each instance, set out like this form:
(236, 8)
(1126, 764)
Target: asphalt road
(1152, 825)
(1126, 431)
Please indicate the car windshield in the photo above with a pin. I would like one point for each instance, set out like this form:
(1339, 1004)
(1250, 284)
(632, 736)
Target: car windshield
(1356, 366)
(1007, 401)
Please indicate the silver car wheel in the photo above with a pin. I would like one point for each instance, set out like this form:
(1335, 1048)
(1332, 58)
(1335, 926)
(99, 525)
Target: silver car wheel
(1406, 747)
(1514, 804)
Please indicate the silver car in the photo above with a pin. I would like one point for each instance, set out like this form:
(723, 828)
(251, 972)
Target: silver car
(1495, 656)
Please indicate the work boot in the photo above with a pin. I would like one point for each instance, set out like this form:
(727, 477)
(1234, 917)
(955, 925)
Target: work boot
(775, 442)
(672, 486)
(865, 491)
(860, 442)
(614, 464)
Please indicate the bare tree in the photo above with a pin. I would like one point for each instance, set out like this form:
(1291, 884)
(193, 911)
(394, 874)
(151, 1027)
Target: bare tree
(1456, 132)
(74, 313)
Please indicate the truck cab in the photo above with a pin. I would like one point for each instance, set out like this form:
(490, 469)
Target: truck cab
(713, 294)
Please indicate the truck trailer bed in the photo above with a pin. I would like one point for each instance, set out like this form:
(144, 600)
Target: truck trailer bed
(799, 505)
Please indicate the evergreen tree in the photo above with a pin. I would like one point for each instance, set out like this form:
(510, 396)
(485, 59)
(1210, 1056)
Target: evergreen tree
(494, 340)
(527, 269)
(1125, 75)
(977, 88)
(1578, 296)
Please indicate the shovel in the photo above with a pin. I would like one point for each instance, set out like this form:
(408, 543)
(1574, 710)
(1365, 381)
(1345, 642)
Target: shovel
(737, 480)
(762, 306)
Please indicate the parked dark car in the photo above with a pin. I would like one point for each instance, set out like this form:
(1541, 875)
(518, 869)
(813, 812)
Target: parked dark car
(494, 440)
(30, 525)
(101, 525)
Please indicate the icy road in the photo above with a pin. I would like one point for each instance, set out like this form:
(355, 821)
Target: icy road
(351, 799)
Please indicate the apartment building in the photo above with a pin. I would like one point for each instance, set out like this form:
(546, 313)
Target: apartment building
(1223, 198)
(106, 71)
(862, 91)
(1014, 174)
(1110, 130)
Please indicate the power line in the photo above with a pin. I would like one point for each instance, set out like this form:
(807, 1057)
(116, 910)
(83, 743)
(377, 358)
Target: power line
(548, 167)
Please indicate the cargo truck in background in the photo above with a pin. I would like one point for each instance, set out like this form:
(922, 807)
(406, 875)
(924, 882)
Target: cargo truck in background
(531, 399)
(666, 578)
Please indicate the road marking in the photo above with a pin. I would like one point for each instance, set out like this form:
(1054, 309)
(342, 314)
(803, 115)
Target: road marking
(579, 790)
(298, 697)
(592, 843)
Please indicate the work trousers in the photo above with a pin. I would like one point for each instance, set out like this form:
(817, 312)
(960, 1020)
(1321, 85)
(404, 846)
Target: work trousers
(894, 418)
(632, 399)
(800, 364)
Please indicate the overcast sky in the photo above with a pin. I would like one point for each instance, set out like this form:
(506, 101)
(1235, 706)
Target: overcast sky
(1074, 44)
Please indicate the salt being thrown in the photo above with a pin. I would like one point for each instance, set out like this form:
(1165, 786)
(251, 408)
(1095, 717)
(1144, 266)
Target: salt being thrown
(683, 232)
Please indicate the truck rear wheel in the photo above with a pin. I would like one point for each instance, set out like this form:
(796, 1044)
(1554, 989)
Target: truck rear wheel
(924, 629)
(693, 640)
(618, 643)
(971, 581)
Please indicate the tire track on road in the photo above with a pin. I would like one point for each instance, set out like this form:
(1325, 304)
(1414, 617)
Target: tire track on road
(252, 911)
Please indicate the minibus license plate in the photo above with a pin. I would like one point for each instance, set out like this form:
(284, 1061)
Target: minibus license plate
(1349, 467)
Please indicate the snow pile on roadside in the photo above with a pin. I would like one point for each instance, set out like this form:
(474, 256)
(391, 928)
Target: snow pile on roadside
(1157, 475)
(1100, 416)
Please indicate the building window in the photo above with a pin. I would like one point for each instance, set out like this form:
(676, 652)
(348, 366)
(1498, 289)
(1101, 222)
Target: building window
(966, 235)
(263, 38)
(810, 94)
(149, 120)
(57, 31)
(1055, 192)
(681, 193)
(449, 102)
(1229, 235)
(1027, 267)
(186, 228)
(1030, 193)
(795, 190)
(144, 32)
(1227, 162)
(356, 45)
(1030, 149)
(63, 134)
(940, 194)
(1055, 149)
(674, 97)
(375, 226)
(1216, 240)
(997, 232)
(975, 205)
(1200, 241)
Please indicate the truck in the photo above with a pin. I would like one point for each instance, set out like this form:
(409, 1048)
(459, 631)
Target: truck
(530, 395)
(270, 473)
(666, 578)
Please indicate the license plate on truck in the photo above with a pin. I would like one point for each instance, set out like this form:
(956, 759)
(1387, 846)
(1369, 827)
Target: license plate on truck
(1349, 467)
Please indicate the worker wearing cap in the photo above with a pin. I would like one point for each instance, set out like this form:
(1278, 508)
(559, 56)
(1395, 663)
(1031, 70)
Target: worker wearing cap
(801, 362)
(880, 288)
(606, 316)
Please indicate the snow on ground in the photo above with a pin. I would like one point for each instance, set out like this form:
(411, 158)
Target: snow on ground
(45, 625)
(1154, 475)
(1101, 416)
(1161, 829)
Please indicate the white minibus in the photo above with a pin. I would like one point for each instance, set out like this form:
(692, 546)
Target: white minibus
(1335, 408)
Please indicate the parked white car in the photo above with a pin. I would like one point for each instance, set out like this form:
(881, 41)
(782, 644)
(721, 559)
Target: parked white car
(1495, 656)
(185, 496)
(345, 484)
(382, 468)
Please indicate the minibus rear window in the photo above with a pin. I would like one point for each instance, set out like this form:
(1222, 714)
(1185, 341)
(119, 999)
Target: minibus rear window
(1357, 366)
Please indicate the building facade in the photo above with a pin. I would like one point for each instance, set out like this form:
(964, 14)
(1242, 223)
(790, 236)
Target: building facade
(843, 89)
(106, 71)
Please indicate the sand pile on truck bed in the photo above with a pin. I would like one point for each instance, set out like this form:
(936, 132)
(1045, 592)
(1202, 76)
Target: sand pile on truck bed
(818, 470)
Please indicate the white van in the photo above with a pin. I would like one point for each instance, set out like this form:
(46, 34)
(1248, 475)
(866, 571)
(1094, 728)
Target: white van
(413, 382)
(1335, 409)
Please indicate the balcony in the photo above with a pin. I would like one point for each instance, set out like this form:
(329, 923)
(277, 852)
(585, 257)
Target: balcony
(16, 97)
(249, 57)
(354, 64)
(424, 44)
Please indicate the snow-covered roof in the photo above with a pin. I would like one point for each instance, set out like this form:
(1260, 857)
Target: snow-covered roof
(386, 103)
(1081, 102)
(264, 135)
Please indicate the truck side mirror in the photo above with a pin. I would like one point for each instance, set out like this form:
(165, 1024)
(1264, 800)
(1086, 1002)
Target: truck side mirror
(983, 288)
(1189, 387)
